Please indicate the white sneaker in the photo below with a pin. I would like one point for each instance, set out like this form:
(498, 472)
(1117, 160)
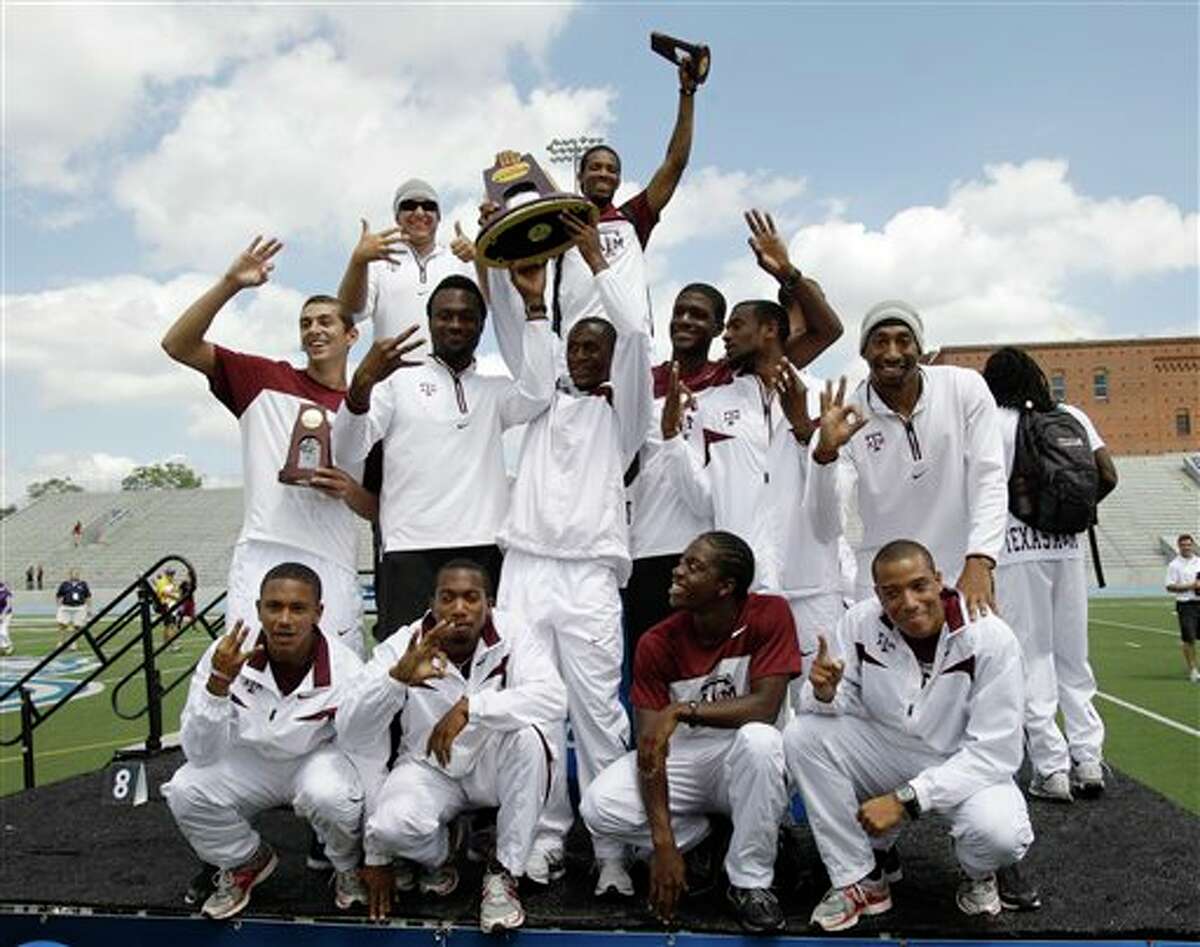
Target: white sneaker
(500, 907)
(841, 908)
(614, 879)
(1087, 779)
(979, 895)
(1054, 786)
(348, 889)
(1194, 675)
(439, 882)
(545, 866)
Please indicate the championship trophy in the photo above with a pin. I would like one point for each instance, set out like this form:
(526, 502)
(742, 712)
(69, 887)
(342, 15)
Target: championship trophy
(699, 58)
(310, 447)
(529, 227)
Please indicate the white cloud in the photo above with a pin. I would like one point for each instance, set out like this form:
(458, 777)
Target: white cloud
(81, 77)
(98, 343)
(996, 261)
(339, 140)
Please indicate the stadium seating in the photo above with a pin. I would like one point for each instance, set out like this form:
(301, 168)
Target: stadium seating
(124, 532)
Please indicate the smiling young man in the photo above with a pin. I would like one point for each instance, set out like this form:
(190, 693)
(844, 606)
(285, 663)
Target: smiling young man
(311, 522)
(928, 462)
(261, 729)
(477, 696)
(914, 707)
(566, 538)
(709, 687)
(392, 273)
(446, 491)
(747, 464)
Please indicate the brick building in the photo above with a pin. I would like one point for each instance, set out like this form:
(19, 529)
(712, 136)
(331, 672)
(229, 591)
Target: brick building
(1143, 394)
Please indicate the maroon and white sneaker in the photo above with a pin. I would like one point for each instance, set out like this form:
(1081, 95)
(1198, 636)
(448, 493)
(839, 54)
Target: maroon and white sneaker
(841, 907)
(235, 884)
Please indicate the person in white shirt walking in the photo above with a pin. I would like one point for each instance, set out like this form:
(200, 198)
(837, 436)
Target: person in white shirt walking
(1041, 586)
(1183, 579)
(566, 540)
(928, 461)
(914, 708)
(261, 729)
(445, 493)
(477, 697)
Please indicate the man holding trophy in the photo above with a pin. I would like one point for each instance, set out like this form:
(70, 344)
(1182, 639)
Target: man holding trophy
(296, 500)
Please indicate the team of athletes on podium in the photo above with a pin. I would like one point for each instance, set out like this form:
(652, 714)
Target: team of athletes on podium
(706, 494)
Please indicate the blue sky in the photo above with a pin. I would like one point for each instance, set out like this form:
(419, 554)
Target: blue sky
(1019, 172)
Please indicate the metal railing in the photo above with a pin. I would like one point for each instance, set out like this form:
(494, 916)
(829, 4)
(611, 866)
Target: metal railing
(125, 623)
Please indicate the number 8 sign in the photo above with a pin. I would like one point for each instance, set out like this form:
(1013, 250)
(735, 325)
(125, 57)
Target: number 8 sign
(125, 784)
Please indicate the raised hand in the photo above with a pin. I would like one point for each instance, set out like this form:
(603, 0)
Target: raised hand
(488, 210)
(384, 357)
(839, 421)
(423, 660)
(441, 737)
(378, 246)
(825, 673)
(530, 281)
(769, 248)
(677, 402)
(229, 658)
(687, 78)
(462, 246)
(253, 265)
(587, 239)
(793, 398)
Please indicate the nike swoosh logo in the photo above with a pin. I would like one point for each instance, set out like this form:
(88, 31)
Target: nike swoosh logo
(918, 474)
(738, 631)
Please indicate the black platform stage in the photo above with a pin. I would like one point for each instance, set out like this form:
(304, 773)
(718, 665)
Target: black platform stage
(1126, 866)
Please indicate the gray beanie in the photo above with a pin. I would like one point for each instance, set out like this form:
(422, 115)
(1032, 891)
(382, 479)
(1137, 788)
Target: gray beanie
(892, 310)
(414, 189)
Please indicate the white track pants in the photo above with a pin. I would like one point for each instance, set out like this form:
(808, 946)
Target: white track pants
(342, 617)
(814, 615)
(741, 775)
(5, 640)
(1045, 604)
(839, 762)
(212, 805)
(412, 815)
(576, 608)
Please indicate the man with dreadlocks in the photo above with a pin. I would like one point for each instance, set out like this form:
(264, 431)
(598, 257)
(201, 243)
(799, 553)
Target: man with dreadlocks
(1041, 585)
(709, 687)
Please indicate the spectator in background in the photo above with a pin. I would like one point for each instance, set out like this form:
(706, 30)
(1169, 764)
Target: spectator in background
(39, 576)
(166, 590)
(1183, 578)
(29, 578)
(6, 610)
(77, 533)
(187, 603)
(73, 597)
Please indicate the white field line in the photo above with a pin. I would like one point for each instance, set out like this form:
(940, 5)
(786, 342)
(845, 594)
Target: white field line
(1158, 718)
(1121, 624)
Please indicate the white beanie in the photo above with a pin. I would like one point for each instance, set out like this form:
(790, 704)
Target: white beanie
(891, 310)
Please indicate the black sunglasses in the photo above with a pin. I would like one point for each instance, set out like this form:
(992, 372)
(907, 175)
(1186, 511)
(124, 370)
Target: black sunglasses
(430, 207)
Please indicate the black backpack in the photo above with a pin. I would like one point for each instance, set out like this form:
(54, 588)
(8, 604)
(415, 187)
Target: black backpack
(1054, 483)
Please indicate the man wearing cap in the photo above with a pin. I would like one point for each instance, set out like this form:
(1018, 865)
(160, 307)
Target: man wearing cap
(392, 272)
(929, 460)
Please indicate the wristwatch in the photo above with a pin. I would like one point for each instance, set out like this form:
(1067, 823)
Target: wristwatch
(908, 798)
(693, 707)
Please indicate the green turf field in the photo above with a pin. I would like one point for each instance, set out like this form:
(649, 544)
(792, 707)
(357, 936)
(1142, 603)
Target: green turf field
(1151, 710)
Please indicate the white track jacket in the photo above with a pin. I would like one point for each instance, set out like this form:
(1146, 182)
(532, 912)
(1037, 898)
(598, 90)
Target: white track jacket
(512, 684)
(970, 710)
(937, 478)
(743, 467)
(445, 483)
(568, 501)
(255, 715)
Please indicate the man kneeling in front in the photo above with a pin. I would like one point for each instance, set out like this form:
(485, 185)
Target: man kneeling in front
(921, 712)
(477, 695)
(259, 730)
